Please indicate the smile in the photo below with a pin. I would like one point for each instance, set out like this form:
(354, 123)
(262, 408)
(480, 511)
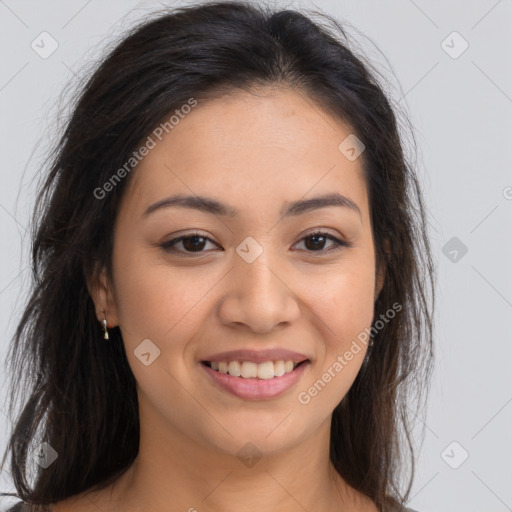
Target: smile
(256, 381)
(250, 369)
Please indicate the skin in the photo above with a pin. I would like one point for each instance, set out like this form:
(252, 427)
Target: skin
(255, 152)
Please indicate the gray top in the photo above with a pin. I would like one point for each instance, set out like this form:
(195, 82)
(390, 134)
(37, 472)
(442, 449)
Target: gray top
(404, 509)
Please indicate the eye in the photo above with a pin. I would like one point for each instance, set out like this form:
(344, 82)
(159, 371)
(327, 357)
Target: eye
(195, 243)
(319, 238)
(192, 242)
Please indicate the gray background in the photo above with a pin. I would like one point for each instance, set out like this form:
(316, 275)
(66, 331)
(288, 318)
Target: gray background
(461, 109)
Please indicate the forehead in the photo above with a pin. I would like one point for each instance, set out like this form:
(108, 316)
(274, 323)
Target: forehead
(274, 145)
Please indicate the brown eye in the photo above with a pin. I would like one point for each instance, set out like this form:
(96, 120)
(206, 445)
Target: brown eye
(193, 243)
(318, 239)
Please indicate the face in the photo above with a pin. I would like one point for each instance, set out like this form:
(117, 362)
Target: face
(253, 279)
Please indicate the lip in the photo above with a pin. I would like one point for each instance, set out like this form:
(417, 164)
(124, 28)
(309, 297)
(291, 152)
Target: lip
(256, 389)
(257, 356)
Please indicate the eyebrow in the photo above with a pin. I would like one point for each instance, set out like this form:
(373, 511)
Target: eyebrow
(212, 206)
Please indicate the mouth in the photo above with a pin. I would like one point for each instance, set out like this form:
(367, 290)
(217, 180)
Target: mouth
(255, 381)
(252, 370)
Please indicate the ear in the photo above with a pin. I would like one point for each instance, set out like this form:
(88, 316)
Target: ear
(102, 293)
(380, 274)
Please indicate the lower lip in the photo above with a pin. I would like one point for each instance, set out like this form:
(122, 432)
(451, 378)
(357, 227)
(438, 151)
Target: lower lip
(256, 389)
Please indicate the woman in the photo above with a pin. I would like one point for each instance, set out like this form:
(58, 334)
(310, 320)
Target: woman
(231, 263)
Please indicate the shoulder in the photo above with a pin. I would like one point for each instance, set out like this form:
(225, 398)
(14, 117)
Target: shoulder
(395, 506)
(21, 506)
(391, 505)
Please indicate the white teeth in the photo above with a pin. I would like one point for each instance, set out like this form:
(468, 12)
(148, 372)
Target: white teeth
(234, 368)
(266, 370)
(279, 368)
(251, 370)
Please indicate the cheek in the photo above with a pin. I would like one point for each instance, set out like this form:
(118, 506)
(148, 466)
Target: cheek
(345, 303)
(353, 303)
(148, 304)
(159, 302)
(344, 307)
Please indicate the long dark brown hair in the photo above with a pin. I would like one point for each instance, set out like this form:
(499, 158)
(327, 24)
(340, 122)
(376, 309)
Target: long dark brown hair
(55, 358)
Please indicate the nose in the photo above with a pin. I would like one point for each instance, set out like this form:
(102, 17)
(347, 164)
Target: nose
(260, 297)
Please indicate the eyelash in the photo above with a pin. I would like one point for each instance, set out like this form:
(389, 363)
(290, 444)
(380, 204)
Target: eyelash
(169, 245)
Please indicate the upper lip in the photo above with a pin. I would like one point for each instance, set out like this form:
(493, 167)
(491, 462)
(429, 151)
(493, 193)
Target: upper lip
(257, 356)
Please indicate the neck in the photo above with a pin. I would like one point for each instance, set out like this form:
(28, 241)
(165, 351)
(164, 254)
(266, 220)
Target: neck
(173, 471)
